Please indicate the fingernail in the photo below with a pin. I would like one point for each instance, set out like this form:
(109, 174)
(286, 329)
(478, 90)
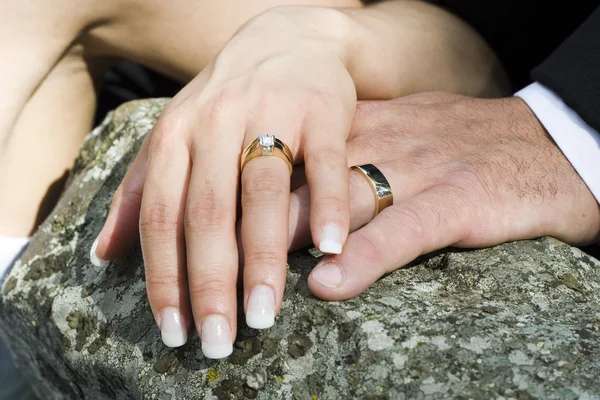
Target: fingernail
(216, 337)
(97, 261)
(330, 240)
(328, 274)
(260, 313)
(172, 327)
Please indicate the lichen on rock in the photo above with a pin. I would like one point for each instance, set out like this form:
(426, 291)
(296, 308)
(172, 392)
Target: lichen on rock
(520, 320)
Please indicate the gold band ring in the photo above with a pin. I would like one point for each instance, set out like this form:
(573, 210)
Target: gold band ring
(267, 145)
(380, 185)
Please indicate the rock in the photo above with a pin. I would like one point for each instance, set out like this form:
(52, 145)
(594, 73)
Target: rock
(520, 320)
(256, 380)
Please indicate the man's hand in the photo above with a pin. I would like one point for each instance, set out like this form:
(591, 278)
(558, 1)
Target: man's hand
(294, 72)
(464, 172)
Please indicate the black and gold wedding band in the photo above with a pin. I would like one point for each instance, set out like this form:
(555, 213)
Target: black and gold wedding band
(381, 186)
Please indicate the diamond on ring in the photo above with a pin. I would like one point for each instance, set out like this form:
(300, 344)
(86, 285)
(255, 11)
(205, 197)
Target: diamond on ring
(267, 142)
(267, 145)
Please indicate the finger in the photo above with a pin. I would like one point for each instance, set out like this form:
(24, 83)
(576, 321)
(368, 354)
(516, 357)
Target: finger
(161, 230)
(405, 180)
(210, 230)
(326, 170)
(265, 211)
(299, 219)
(121, 228)
(265, 191)
(434, 219)
(362, 209)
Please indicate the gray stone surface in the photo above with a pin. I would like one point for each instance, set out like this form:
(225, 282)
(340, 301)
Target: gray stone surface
(521, 320)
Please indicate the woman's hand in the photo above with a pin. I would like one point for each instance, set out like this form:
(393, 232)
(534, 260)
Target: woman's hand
(294, 73)
(276, 77)
(464, 172)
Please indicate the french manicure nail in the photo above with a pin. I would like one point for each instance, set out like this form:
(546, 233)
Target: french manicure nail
(260, 313)
(330, 240)
(216, 337)
(328, 274)
(172, 327)
(96, 261)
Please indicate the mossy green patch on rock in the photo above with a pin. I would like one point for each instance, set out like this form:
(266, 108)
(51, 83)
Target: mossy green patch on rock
(571, 282)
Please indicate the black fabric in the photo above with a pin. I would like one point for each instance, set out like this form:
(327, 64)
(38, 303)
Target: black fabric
(550, 35)
(128, 81)
(523, 32)
(573, 71)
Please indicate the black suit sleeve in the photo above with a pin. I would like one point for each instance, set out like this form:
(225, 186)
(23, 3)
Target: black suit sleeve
(572, 71)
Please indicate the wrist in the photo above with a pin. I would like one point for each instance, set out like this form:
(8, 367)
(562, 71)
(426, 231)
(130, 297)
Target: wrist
(331, 30)
(403, 47)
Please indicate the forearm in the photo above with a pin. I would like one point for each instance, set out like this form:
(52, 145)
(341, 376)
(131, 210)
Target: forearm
(390, 48)
(181, 37)
(44, 142)
(34, 36)
(47, 106)
(400, 47)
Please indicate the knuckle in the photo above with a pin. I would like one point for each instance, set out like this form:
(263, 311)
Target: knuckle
(366, 108)
(128, 198)
(367, 248)
(167, 130)
(160, 278)
(209, 285)
(321, 99)
(205, 213)
(271, 95)
(226, 100)
(268, 188)
(332, 203)
(407, 218)
(470, 174)
(214, 109)
(465, 169)
(265, 258)
(158, 217)
(426, 154)
(326, 103)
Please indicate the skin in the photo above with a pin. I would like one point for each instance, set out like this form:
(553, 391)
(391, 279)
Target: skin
(48, 88)
(58, 52)
(300, 80)
(464, 172)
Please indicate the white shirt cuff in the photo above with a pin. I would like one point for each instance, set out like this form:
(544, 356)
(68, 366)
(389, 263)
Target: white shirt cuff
(579, 142)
